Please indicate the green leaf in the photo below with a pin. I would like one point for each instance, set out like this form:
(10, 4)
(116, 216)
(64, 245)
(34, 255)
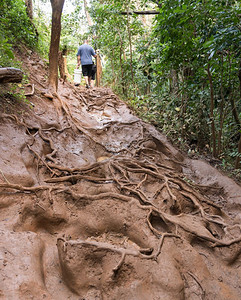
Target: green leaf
(207, 44)
(9, 54)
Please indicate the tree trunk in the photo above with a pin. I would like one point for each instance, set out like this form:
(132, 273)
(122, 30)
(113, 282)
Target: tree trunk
(113, 69)
(213, 130)
(29, 8)
(222, 114)
(173, 81)
(98, 69)
(89, 20)
(130, 45)
(237, 162)
(61, 65)
(234, 109)
(237, 120)
(121, 65)
(239, 76)
(57, 7)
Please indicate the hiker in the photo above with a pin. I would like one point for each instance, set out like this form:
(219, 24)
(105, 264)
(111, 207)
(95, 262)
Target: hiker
(84, 57)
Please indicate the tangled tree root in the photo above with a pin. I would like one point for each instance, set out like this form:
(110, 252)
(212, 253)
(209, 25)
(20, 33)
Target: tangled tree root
(143, 175)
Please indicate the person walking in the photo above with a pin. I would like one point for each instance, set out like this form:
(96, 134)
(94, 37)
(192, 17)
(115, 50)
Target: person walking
(84, 58)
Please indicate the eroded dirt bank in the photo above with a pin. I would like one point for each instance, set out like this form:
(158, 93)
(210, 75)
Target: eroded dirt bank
(96, 204)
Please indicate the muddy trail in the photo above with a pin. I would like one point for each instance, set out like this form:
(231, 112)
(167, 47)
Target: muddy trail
(97, 204)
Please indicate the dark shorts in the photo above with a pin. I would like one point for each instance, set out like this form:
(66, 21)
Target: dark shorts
(87, 70)
(93, 71)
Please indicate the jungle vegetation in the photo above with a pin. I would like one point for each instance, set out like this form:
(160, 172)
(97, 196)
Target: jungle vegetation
(176, 62)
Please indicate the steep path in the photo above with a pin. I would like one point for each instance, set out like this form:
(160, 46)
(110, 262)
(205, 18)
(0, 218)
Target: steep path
(96, 204)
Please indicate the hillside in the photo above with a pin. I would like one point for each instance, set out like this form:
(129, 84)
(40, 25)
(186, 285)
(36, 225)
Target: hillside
(97, 204)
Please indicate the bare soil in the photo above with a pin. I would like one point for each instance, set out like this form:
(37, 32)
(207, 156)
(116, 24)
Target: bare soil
(97, 204)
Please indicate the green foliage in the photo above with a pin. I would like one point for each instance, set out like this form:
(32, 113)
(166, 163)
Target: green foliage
(43, 26)
(171, 59)
(15, 22)
(177, 58)
(111, 29)
(6, 53)
(15, 28)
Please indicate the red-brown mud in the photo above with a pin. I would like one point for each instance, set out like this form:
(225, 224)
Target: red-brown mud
(97, 204)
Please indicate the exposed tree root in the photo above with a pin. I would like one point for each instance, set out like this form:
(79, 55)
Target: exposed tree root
(39, 158)
(198, 282)
(122, 251)
(101, 196)
(32, 91)
(77, 177)
(123, 167)
(140, 176)
(4, 177)
(28, 189)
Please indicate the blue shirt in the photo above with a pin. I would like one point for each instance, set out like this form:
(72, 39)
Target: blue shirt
(86, 52)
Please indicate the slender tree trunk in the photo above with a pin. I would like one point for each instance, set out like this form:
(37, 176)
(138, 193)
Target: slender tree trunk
(239, 76)
(57, 7)
(184, 100)
(62, 62)
(65, 52)
(237, 162)
(121, 65)
(231, 99)
(173, 81)
(222, 114)
(112, 67)
(213, 130)
(61, 65)
(237, 120)
(89, 20)
(130, 44)
(183, 112)
(29, 8)
(98, 69)
(234, 110)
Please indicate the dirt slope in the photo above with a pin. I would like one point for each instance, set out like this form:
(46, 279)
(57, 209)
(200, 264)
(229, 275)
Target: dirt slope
(96, 204)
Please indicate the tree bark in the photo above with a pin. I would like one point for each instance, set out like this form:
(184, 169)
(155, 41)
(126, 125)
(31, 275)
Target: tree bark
(10, 75)
(121, 65)
(239, 77)
(89, 20)
(130, 45)
(57, 7)
(222, 113)
(173, 81)
(113, 67)
(29, 8)
(237, 162)
(213, 130)
(234, 110)
(63, 69)
(98, 69)
(237, 120)
(61, 65)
